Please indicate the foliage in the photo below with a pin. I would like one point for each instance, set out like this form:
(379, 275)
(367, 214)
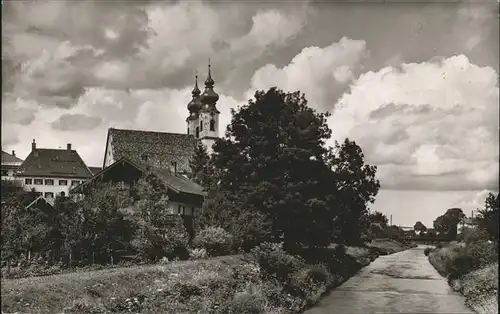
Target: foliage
(427, 250)
(248, 227)
(215, 240)
(196, 254)
(357, 186)
(275, 262)
(447, 223)
(419, 227)
(470, 235)
(378, 218)
(488, 218)
(201, 168)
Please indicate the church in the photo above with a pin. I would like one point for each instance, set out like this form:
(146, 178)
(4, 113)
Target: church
(131, 153)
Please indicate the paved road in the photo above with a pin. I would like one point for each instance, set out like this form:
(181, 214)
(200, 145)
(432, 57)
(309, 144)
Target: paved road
(404, 282)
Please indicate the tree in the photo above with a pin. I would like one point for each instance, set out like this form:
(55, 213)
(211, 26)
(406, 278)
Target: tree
(201, 167)
(447, 223)
(273, 161)
(357, 186)
(378, 217)
(111, 228)
(419, 227)
(488, 218)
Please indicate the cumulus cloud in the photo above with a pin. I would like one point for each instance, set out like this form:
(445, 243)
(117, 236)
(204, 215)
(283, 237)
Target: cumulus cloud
(430, 125)
(320, 73)
(76, 122)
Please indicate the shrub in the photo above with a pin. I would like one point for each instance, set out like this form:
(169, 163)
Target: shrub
(215, 240)
(471, 235)
(195, 253)
(247, 302)
(427, 251)
(483, 253)
(274, 261)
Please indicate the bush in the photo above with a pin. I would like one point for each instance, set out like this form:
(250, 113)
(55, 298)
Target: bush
(471, 235)
(215, 240)
(247, 302)
(195, 253)
(274, 261)
(427, 251)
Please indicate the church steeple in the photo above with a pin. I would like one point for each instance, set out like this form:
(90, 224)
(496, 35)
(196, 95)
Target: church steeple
(209, 97)
(195, 104)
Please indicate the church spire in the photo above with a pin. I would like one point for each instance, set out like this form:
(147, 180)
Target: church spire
(209, 82)
(195, 104)
(196, 91)
(209, 97)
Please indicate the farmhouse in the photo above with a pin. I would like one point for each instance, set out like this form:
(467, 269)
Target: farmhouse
(10, 164)
(51, 172)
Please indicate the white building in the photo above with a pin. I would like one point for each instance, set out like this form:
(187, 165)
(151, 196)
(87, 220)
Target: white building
(51, 172)
(10, 164)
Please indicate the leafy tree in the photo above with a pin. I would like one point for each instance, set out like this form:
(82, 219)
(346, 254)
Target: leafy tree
(111, 227)
(419, 227)
(158, 233)
(378, 217)
(447, 223)
(273, 161)
(357, 186)
(487, 218)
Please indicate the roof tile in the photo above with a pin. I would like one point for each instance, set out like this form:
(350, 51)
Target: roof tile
(161, 148)
(54, 162)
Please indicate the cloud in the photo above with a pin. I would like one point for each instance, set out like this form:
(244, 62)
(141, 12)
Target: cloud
(320, 73)
(76, 122)
(429, 125)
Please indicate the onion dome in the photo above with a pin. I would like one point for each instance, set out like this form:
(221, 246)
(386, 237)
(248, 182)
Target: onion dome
(195, 104)
(209, 96)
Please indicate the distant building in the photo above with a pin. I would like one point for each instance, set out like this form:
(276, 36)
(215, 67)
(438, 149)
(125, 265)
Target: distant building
(10, 164)
(51, 172)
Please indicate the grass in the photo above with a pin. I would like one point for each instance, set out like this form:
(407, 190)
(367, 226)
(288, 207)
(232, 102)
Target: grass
(478, 283)
(227, 284)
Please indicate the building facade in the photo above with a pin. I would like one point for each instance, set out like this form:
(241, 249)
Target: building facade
(52, 172)
(10, 164)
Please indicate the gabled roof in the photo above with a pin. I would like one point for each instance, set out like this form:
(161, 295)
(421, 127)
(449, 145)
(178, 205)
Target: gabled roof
(95, 170)
(39, 200)
(43, 162)
(8, 158)
(161, 148)
(175, 182)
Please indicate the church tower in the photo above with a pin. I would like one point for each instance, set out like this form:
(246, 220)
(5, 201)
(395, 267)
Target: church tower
(194, 108)
(203, 119)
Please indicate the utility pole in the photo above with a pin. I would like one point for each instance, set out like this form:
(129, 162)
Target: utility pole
(391, 220)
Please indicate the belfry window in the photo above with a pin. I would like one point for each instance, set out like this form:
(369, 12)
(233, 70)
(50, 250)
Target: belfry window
(201, 126)
(197, 132)
(212, 125)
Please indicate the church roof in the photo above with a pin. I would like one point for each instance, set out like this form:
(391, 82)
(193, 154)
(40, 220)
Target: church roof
(43, 162)
(95, 170)
(160, 148)
(8, 158)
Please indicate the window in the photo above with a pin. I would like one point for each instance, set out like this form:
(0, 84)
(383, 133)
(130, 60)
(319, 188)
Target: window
(212, 125)
(181, 210)
(38, 181)
(5, 173)
(28, 181)
(49, 194)
(144, 158)
(197, 132)
(63, 182)
(75, 182)
(62, 194)
(49, 182)
(201, 126)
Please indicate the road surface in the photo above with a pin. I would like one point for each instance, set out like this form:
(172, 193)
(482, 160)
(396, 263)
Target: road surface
(403, 282)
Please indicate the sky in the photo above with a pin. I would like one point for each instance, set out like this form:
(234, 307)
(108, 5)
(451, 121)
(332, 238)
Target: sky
(415, 84)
